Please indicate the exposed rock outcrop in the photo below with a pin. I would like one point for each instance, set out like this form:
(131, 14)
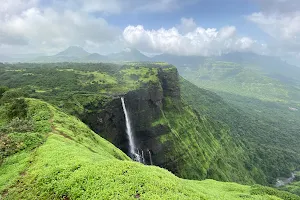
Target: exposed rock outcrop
(144, 106)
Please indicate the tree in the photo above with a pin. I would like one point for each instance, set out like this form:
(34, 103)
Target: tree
(2, 90)
(17, 109)
(9, 95)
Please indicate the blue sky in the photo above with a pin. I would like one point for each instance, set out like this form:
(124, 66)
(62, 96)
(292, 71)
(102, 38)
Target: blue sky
(209, 13)
(190, 27)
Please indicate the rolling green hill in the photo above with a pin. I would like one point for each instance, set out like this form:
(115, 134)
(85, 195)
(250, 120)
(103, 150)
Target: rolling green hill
(58, 157)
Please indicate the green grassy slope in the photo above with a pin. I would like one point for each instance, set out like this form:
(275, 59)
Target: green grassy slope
(209, 149)
(268, 147)
(72, 162)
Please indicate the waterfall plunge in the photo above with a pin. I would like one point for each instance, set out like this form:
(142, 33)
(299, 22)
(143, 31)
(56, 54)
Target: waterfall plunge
(132, 148)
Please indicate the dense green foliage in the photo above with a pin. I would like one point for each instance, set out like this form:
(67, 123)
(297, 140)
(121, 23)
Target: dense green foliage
(210, 151)
(83, 88)
(75, 163)
(2, 90)
(260, 103)
(267, 148)
(72, 86)
(218, 141)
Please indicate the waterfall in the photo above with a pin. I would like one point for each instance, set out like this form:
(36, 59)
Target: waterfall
(132, 148)
(150, 157)
(143, 158)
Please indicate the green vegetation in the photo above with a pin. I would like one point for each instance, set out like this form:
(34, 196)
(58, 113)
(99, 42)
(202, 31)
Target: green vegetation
(207, 139)
(259, 102)
(242, 79)
(75, 163)
(209, 150)
(72, 86)
(266, 147)
(293, 187)
(2, 90)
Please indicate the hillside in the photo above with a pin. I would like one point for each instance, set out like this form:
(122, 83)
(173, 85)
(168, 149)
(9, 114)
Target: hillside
(181, 137)
(162, 123)
(239, 79)
(41, 165)
(267, 145)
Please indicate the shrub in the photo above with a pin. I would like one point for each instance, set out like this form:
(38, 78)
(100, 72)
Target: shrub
(3, 89)
(9, 95)
(17, 109)
(18, 125)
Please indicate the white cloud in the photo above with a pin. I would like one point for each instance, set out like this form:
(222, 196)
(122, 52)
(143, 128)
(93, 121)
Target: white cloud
(280, 19)
(279, 26)
(187, 25)
(9, 7)
(50, 29)
(199, 41)
(49, 26)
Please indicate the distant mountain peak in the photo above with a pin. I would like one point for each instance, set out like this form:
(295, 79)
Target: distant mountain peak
(129, 54)
(74, 51)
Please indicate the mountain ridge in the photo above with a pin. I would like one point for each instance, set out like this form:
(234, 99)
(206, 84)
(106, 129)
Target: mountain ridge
(78, 54)
(73, 51)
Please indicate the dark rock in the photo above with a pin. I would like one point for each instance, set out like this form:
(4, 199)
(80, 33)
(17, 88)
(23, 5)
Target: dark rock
(144, 107)
(170, 82)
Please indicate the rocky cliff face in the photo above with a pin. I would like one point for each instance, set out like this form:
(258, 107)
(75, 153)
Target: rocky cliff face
(145, 107)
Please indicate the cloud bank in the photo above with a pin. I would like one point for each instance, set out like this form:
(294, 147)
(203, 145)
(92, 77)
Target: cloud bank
(280, 19)
(188, 39)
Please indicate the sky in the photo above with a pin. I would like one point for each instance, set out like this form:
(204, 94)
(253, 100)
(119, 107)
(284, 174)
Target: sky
(189, 27)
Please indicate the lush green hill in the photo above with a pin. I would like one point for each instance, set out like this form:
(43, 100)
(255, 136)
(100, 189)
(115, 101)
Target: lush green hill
(269, 148)
(55, 156)
(195, 138)
(260, 103)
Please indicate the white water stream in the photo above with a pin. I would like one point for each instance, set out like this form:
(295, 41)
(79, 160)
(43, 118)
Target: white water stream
(132, 148)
